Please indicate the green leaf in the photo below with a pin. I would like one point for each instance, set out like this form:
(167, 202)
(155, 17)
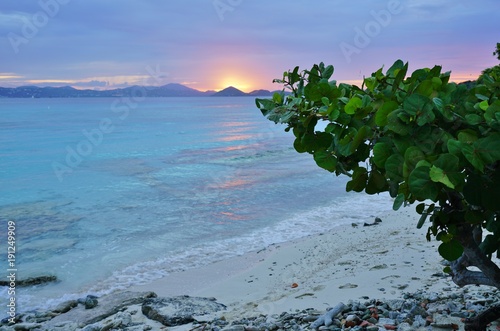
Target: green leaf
(299, 146)
(278, 98)
(454, 147)
(398, 65)
(395, 124)
(488, 149)
(421, 221)
(413, 155)
(353, 105)
(467, 137)
(421, 185)
(360, 137)
(473, 119)
(439, 104)
(381, 152)
(398, 202)
(400, 76)
(439, 176)
(484, 105)
(451, 250)
(420, 106)
(420, 208)
(327, 72)
(489, 245)
(376, 183)
(371, 83)
(325, 160)
(358, 181)
(325, 101)
(384, 111)
(394, 167)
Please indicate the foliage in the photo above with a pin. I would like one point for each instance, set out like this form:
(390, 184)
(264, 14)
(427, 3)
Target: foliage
(497, 51)
(420, 137)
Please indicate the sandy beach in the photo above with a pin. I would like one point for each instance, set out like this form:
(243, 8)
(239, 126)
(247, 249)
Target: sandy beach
(368, 261)
(382, 260)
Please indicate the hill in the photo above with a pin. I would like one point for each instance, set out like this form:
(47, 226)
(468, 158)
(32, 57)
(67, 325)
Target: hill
(168, 90)
(230, 92)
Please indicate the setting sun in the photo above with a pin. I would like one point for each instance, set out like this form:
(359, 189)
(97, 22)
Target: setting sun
(240, 84)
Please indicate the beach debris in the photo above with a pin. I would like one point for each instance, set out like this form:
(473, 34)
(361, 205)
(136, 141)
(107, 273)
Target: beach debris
(327, 318)
(348, 285)
(179, 310)
(294, 285)
(377, 221)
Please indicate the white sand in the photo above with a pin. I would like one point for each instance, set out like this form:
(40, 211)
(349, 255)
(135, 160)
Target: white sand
(380, 261)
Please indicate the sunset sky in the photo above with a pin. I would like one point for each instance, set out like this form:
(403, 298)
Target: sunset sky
(211, 44)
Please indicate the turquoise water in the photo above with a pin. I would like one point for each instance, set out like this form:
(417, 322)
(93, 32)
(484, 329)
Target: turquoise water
(107, 193)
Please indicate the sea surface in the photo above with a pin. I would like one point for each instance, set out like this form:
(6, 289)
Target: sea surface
(107, 193)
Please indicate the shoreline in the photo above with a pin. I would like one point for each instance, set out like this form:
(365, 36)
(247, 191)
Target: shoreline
(385, 266)
(383, 260)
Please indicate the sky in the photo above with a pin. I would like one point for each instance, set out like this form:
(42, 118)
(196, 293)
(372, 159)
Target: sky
(212, 44)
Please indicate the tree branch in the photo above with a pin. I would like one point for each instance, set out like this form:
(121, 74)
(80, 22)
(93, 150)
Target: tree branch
(490, 272)
(481, 321)
(463, 276)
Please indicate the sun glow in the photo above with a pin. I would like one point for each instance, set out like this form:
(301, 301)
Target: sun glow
(237, 82)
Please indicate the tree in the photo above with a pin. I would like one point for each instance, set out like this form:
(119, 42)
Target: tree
(497, 51)
(421, 138)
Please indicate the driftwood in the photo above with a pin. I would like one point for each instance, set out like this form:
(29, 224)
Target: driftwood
(327, 318)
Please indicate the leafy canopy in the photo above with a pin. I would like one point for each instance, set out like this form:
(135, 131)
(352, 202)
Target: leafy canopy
(419, 137)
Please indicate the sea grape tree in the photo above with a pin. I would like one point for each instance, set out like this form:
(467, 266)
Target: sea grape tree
(425, 140)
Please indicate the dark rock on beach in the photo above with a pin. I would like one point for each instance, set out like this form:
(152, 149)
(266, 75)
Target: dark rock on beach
(89, 302)
(179, 310)
(31, 281)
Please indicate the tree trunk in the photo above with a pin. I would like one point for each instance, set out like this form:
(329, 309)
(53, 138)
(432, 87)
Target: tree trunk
(481, 321)
(489, 274)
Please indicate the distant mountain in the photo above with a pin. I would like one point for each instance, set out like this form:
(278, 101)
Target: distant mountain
(261, 93)
(230, 92)
(169, 90)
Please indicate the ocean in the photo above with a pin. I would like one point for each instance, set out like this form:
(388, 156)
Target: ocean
(106, 193)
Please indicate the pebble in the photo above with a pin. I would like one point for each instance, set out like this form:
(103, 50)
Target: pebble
(416, 311)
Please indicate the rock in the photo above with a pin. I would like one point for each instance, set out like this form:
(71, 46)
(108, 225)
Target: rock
(234, 328)
(65, 306)
(352, 320)
(26, 326)
(419, 321)
(108, 305)
(122, 319)
(179, 310)
(93, 327)
(89, 302)
(386, 321)
(418, 310)
(31, 281)
(404, 327)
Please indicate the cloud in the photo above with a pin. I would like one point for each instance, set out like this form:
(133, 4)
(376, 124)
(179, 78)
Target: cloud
(115, 41)
(92, 83)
